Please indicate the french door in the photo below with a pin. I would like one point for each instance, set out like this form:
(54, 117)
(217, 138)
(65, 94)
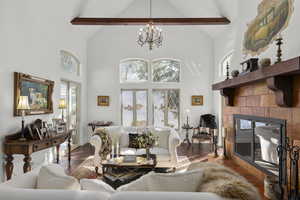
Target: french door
(70, 91)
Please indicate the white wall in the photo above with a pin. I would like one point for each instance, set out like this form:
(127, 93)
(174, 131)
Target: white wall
(112, 44)
(32, 34)
(233, 40)
(291, 46)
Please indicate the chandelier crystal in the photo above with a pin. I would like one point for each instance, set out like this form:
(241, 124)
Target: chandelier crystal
(151, 35)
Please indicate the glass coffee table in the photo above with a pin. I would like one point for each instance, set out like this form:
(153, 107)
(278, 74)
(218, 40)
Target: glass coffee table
(125, 169)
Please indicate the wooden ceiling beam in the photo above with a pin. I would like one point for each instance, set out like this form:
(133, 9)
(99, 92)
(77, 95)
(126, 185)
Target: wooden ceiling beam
(143, 21)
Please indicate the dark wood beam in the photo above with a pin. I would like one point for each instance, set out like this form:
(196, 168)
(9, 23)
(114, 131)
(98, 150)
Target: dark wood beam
(143, 21)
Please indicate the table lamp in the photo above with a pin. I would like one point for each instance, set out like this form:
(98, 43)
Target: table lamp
(62, 105)
(23, 105)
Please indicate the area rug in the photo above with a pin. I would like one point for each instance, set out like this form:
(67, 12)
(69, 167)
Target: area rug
(188, 156)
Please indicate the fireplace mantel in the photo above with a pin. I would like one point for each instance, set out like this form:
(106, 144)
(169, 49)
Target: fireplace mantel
(279, 78)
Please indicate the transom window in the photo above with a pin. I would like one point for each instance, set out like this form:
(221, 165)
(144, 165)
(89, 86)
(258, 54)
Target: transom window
(165, 70)
(137, 71)
(133, 70)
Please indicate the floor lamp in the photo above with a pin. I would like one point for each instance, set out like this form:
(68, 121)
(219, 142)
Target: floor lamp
(23, 105)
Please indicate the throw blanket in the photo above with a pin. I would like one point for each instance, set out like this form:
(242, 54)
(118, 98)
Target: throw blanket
(106, 143)
(225, 182)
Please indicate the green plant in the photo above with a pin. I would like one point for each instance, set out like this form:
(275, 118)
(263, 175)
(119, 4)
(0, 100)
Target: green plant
(147, 140)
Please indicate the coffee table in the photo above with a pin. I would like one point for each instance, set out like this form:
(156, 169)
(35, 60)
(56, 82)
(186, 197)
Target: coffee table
(117, 173)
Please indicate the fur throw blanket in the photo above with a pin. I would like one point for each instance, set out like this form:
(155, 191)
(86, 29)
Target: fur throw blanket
(225, 182)
(106, 146)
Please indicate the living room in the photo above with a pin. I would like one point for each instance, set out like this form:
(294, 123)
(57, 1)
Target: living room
(105, 76)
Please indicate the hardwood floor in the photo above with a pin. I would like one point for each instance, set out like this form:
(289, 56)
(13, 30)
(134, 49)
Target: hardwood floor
(81, 153)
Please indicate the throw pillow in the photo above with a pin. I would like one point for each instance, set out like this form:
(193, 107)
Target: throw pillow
(133, 140)
(163, 137)
(96, 185)
(53, 177)
(172, 182)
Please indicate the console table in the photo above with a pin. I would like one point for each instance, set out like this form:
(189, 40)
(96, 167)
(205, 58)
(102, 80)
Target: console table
(13, 146)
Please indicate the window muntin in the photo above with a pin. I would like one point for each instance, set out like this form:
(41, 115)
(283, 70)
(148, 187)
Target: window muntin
(133, 71)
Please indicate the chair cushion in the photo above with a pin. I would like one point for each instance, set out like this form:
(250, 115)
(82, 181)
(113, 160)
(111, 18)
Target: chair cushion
(128, 151)
(96, 185)
(53, 177)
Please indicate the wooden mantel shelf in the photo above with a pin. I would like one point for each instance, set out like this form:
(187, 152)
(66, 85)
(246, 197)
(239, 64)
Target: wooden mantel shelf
(279, 78)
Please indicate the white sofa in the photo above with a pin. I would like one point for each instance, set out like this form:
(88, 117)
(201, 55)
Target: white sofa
(24, 188)
(168, 141)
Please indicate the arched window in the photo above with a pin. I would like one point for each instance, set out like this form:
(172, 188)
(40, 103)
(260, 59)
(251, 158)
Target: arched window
(226, 61)
(165, 71)
(133, 71)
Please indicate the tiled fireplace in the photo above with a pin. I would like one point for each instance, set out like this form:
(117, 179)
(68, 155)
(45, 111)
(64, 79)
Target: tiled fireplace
(256, 99)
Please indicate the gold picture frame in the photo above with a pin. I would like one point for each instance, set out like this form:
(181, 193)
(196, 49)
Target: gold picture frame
(197, 100)
(38, 90)
(103, 100)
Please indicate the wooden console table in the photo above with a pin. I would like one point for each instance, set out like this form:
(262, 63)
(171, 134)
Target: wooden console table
(28, 147)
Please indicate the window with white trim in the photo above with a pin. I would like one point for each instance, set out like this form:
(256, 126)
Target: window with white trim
(166, 110)
(165, 102)
(134, 107)
(133, 70)
(226, 61)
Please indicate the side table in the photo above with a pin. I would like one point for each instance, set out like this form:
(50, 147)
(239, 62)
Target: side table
(187, 139)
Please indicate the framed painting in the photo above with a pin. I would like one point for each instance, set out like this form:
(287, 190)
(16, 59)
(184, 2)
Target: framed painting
(38, 90)
(271, 19)
(197, 100)
(103, 100)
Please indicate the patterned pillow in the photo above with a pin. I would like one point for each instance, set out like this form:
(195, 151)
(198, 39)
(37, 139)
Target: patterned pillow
(106, 147)
(133, 140)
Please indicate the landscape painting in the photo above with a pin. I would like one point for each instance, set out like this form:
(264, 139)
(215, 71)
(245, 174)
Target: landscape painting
(39, 92)
(272, 18)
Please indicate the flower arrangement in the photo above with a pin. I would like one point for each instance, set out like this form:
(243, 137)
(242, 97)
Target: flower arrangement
(147, 140)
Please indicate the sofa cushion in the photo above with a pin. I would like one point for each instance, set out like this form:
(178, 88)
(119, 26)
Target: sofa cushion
(124, 140)
(53, 177)
(172, 182)
(96, 185)
(114, 132)
(159, 151)
(127, 151)
(163, 135)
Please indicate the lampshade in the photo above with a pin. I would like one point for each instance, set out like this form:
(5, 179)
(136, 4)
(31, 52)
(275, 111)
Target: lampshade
(23, 103)
(62, 104)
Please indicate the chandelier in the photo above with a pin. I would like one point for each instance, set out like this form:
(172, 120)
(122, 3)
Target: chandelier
(150, 34)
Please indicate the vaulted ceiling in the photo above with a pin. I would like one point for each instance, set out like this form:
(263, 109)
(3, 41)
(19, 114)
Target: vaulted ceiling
(180, 8)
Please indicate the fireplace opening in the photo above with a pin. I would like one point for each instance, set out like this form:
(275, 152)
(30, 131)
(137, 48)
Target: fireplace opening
(257, 140)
